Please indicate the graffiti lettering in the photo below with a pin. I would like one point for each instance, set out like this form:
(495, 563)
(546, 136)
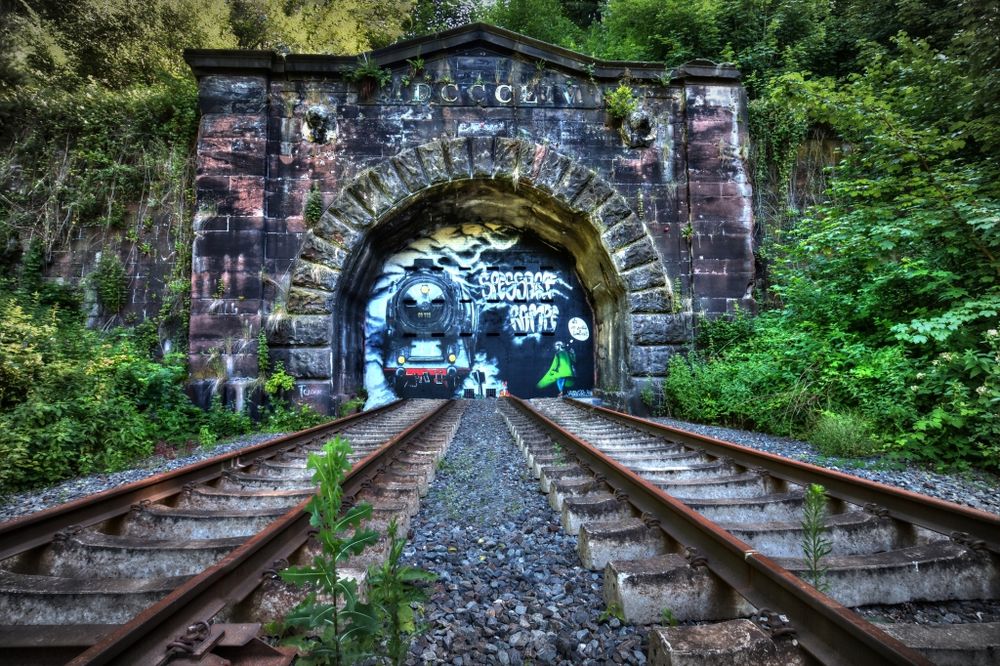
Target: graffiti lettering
(517, 285)
(533, 318)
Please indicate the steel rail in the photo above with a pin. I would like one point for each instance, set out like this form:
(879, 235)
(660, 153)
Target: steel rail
(144, 639)
(830, 632)
(929, 512)
(36, 529)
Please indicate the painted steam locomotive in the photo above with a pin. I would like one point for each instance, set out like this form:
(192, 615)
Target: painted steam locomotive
(430, 333)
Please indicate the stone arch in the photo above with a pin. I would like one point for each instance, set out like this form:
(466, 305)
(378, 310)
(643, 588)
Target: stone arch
(575, 208)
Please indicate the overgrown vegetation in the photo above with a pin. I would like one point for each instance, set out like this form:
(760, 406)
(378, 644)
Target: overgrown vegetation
(332, 625)
(881, 301)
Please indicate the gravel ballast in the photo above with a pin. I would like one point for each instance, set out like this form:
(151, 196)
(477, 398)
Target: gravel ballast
(511, 589)
(21, 504)
(978, 489)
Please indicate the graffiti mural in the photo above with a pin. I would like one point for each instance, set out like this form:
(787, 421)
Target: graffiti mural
(477, 310)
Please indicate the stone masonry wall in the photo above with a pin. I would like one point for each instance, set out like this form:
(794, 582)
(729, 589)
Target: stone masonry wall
(274, 128)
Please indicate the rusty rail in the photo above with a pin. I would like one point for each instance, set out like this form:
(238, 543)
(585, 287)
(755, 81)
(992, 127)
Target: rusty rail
(934, 514)
(145, 638)
(36, 529)
(827, 630)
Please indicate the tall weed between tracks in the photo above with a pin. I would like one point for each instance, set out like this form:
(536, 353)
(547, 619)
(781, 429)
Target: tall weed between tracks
(333, 625)
(815, 546)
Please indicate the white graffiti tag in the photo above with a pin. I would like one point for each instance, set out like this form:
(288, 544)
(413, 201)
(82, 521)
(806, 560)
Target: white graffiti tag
(517, 285)
(533, 318)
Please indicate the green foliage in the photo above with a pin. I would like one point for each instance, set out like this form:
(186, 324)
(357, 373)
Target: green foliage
(815, 545)
(337, 627)
(393, 593)
(351, 406)
(842, 435)
(542, 19)
(716, 335)
(621, 101)
(667, 617)
(611, 611)
(368, 69)
(110, 283)
(888, 288)
(314, 207)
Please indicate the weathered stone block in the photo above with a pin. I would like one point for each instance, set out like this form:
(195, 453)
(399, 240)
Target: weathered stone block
(390, 182)
(367, 191)
(505, 159)
(333, 229)
(638, 253)
(481, 148)
(349, 209)
(725, 246)
(661, 329)
(553, 167)
(228, 251)
(458, 159)
(613, 211)
(315, 276)
(574, 180)
(305, 330)
(302, 300)
(231, 157)
(232, 94)
(730, 285)
(531, 157)
(654, 300)
(645, 277)
(625, 232)
(734, 642)
(320, 251)
(209, 326)
(304, 362)
(234, 125)
(651, 360)
(593, 195)
(315, 393)
(246, 196)
(282, 245)
(410, 170)
(432, 158)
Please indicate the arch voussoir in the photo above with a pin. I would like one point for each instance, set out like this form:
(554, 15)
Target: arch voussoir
(434, 164)
(390, 183)
(459, 160)
(630, 268)
(410, 170)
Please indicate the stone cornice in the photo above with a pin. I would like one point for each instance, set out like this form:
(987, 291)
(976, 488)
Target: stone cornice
(210, 61)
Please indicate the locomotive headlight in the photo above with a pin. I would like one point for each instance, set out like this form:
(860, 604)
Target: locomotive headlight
(401, 360)
(452, 358)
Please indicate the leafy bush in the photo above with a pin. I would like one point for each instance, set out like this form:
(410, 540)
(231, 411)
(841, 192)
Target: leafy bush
(621, 101)
(842, 435)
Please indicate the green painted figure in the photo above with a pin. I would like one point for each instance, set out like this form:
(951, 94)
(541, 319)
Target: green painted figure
(561, 371)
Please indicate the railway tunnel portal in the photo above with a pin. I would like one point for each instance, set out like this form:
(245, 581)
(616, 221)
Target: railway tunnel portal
(478, 224)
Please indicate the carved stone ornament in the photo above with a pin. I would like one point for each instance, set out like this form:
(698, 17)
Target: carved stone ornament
(319, 125)
(639, 129)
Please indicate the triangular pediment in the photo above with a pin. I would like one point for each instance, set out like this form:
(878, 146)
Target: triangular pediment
(468, 41)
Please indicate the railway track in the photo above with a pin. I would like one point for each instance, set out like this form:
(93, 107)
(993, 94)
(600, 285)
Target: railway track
(181, 567)
(690, 528)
